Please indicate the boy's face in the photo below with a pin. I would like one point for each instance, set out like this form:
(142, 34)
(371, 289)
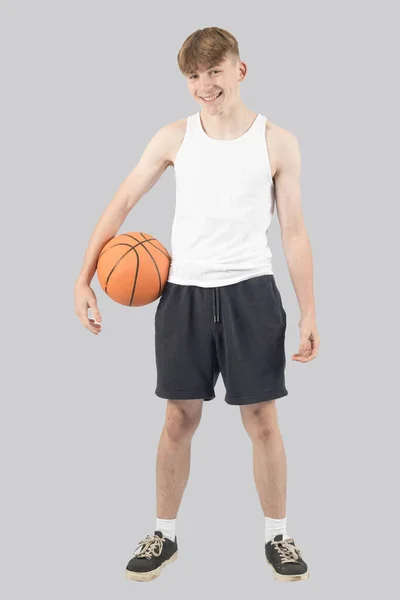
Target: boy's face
(221, 80)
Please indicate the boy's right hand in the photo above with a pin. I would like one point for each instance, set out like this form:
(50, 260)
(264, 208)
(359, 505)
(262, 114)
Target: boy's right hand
(85, 298)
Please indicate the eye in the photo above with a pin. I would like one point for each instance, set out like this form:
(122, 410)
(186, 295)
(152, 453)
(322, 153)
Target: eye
(213, 71)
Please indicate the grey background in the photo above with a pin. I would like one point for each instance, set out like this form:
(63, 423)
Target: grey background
(86, 86)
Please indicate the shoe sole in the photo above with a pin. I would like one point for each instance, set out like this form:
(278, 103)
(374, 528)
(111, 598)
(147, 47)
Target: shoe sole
(150, 575)
(299, 577)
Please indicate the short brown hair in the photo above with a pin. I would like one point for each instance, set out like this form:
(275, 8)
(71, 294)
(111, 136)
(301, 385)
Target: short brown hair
(206, 48)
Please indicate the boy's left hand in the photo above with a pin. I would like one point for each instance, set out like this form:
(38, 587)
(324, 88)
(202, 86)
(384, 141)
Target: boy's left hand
(309, 340)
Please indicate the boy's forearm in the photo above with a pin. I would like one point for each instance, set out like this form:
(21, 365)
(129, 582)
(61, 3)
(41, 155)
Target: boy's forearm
(298, 254)
(105, 229)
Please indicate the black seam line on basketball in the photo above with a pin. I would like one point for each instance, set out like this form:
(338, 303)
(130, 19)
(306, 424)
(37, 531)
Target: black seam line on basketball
(115, 266)
(151, 256)
(156, 247)
(148, 240)
(119, 244)
(135, 277)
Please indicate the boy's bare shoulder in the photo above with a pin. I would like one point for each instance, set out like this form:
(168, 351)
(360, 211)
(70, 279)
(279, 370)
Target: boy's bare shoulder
(179, 125)
(278, 139)
(172, 135)
(278, 133)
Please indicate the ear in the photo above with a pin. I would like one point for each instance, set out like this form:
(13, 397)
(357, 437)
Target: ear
(243, 70)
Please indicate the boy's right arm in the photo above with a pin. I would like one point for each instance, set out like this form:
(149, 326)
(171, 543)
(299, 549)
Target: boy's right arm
(152, 164)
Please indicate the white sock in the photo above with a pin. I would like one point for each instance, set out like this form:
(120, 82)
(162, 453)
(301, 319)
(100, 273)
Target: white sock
(274, 527)
(167, 527)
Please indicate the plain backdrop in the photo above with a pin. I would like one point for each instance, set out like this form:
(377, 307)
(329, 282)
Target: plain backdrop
(85, 87)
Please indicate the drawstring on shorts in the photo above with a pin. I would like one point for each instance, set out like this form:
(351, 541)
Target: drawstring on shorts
(216, 305)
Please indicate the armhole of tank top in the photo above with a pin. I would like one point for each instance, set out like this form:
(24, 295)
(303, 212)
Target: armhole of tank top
(183, 140)
(266, 149)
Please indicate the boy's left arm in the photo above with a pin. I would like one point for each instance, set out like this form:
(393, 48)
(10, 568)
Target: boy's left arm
(295, 241)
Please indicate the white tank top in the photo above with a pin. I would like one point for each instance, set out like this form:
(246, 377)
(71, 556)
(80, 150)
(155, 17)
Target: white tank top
(224, 205)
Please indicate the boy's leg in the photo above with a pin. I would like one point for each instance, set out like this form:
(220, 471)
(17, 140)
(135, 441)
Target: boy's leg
(173, 454)
(269, 459)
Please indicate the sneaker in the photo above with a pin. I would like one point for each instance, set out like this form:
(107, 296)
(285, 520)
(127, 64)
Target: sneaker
(150, 556)
(285, 559)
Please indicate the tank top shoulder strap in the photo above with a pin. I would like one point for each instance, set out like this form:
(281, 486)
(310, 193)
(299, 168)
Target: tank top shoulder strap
(192, 125)
(255, 134)
(262, 121)
(262, 136)
(260, 125)
(195, 125)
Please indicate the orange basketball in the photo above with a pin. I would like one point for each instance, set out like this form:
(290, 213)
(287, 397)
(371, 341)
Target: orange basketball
(133, 268)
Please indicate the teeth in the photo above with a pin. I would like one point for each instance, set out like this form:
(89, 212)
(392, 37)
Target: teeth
(210, 98)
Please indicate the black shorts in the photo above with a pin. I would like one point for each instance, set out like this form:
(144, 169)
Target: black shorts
(237, 330)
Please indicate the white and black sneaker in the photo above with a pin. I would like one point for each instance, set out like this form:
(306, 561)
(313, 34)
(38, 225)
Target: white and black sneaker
(285, 559)
(151, 555)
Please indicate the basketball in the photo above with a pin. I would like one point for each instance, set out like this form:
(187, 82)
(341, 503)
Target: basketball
(133, 268)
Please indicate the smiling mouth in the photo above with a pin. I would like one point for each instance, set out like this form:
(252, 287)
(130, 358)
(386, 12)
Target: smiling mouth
(213, 100)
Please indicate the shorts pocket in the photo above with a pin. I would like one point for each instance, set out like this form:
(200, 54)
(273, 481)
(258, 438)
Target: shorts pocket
(278, 300)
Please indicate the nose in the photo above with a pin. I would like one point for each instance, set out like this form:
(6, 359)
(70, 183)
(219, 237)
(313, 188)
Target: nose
(204, 80)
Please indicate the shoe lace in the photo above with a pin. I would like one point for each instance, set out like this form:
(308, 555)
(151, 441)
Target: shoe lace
(287, 550)
(150, 546)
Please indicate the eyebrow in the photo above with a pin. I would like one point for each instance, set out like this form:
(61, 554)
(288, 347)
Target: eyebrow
(212, 67)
